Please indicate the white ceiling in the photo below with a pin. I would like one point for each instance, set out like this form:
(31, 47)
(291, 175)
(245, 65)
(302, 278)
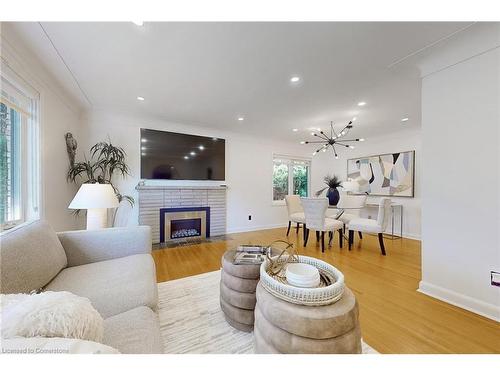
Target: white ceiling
(210, 74)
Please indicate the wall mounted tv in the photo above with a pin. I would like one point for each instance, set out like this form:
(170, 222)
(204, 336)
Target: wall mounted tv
(176, 156)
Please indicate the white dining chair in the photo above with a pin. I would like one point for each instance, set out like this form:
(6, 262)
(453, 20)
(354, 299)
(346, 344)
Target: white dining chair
(295, 212)
(314, 210)
(352, 205)
(372, 226)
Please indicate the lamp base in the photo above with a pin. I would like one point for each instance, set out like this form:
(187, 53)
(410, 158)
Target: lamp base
(97, 218)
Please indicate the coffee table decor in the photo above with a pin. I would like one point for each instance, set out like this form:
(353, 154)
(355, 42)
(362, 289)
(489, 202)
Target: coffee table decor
(273, 280)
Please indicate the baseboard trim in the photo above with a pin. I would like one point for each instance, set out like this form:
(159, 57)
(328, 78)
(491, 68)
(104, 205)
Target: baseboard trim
(476, 306)
(251, 229)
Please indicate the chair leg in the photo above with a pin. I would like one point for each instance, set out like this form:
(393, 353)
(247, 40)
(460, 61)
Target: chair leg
(317, 236)
(341, 238)
(306, 236)
(330, 238)
(297, 230)
(360, 235)
(304, 229)
(322, 241)
(351, 238)
(381, 242)
(289, 225)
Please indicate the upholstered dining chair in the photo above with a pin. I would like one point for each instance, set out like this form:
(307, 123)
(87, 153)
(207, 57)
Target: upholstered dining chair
(295, 212)
(315, 210)
(352, 205)
(372, 226)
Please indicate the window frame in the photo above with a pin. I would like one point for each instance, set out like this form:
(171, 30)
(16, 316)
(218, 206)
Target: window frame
(29, 143)
(290, 162)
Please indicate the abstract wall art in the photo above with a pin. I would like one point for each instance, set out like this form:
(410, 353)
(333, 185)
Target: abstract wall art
(385, 175)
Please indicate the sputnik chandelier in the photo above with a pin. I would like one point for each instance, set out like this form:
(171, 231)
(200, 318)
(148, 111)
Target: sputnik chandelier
(335, 139)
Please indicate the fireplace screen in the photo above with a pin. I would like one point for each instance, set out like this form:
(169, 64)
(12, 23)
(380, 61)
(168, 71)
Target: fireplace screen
(185, 228)
(184, 222)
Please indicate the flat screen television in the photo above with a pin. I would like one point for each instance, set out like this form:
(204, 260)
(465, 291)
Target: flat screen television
(176, 156)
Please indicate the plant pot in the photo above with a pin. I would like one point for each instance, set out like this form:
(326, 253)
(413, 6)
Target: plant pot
(333, 196)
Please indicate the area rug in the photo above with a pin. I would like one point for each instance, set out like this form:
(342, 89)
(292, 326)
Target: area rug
(192, 321)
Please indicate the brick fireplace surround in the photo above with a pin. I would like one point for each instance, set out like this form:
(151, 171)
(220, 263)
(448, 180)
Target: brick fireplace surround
(154, 198)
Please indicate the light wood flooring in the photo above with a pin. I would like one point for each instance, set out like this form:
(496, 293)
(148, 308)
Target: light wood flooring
(394, 317)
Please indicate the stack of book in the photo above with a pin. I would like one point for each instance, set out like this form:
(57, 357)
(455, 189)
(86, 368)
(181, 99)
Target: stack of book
(250, 254)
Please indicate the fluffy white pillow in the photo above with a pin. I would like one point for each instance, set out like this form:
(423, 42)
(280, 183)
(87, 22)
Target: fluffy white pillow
(50, 314)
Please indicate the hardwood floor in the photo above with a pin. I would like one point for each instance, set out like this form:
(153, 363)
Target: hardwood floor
(395, 318)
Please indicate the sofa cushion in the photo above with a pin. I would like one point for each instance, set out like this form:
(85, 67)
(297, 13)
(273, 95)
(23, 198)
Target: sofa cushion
(31, 256)
(136, 331)
(113, 286)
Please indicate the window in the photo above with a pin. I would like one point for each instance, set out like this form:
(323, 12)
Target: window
(290, 176)
(19, 158)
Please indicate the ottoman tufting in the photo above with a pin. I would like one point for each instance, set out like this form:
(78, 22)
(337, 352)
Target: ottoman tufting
(284, 327)
(237, 292)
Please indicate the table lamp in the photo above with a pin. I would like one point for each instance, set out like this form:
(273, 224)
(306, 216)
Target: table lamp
(96, 199)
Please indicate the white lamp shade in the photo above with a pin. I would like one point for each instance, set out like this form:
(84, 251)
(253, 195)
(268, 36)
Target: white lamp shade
(94, 196)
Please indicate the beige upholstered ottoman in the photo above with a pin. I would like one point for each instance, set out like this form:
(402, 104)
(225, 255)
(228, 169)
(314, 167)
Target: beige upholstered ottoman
(237, 292)
(283, 327)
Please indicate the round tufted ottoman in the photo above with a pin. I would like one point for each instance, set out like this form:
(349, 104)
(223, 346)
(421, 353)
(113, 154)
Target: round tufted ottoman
(237, 292)
(283, 327)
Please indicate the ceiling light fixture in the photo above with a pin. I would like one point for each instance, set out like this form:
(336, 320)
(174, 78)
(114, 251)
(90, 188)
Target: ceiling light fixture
(354, 119)
(192, 153)
(144, 140)
(186, 157)
(334, 139)
(201, 147)
(361, 104)
(404, 119)
(295, 79)
(140, 98)
(295, 130)
(241, 118)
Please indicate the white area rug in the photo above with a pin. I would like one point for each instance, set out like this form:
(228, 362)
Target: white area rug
(192, 321)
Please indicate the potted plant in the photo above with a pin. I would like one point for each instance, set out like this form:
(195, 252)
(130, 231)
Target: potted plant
(333, 195)
(106, 160)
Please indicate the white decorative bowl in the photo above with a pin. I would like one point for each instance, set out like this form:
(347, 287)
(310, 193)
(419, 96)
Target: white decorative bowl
(302, 275)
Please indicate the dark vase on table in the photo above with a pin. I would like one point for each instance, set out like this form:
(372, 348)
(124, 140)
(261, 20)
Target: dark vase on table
(333, 196)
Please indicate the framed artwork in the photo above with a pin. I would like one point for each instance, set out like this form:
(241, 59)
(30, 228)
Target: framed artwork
(384, 175)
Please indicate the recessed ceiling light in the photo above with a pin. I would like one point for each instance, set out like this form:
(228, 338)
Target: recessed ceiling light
(186, 157)
(295, 130)
(361, 104)
(192, 153)
(302, 142)
(354, 119)
(143, 148)
(404, 119)
(201, 147)
(144, 140)
(140, 98)
(295, 79)
(361, 139)
(138, 23)
(241, 118)
(143, 154)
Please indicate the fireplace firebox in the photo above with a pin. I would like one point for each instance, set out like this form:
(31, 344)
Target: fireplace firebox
(184, 222)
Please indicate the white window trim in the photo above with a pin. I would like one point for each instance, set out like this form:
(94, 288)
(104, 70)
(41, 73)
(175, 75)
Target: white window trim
(30, 155)
(290, 158)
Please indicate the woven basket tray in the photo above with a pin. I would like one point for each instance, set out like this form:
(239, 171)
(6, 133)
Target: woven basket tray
(329, 291)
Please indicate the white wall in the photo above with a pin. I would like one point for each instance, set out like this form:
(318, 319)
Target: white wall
(248, 165)
(404, 140)
(461, 192)
(58, 115)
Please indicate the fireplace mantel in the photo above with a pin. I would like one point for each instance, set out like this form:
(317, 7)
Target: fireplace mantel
(152, 198)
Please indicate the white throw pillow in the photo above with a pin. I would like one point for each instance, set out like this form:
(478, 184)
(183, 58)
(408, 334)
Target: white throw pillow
(50, 314)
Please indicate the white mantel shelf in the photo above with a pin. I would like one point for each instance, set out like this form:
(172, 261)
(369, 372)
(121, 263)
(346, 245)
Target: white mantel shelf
(173, 187)
(154, 197)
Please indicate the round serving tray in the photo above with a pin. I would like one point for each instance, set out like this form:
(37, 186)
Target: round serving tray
(330, 289)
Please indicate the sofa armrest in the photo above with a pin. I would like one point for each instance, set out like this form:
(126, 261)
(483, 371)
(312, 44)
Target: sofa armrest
(89, 246)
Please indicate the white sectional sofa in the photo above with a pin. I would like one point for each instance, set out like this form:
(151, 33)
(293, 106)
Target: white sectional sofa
(112, 267)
